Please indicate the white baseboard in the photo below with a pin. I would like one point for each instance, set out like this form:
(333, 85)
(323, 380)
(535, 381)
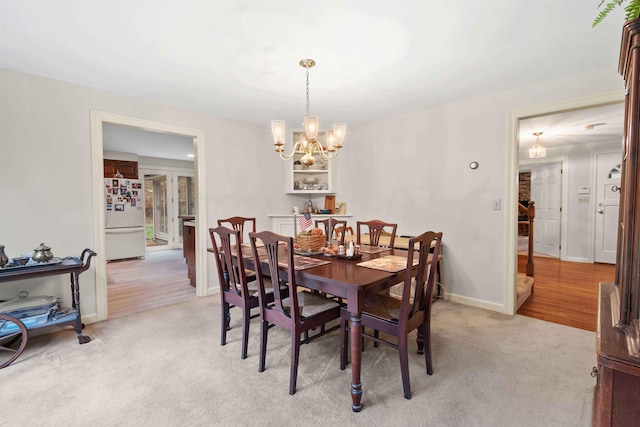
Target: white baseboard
(474, 302)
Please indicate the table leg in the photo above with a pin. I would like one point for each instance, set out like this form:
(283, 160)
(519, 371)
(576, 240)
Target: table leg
(75, 294)
(356, 356)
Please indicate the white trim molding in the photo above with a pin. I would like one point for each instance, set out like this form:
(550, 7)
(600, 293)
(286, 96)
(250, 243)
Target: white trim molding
(511, 178)
(98, 118)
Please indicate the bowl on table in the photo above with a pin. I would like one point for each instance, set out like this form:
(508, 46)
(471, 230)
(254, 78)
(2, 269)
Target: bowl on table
(21, 260)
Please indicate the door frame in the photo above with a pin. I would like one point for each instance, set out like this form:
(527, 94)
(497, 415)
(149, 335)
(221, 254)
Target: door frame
(511, 179)
(98, 118)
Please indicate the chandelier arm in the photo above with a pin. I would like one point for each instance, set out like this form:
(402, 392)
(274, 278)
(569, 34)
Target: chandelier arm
(296, 147)
(326, 156)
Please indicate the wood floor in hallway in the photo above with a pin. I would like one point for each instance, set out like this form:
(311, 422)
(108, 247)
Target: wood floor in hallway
(565, 292)
(143, 284)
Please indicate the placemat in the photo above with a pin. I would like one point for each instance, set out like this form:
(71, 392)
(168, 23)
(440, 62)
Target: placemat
(301, 262)
(367, 249)
(390, 263)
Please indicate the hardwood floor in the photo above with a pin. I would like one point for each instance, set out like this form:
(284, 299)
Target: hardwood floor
(142, 284)
(565, 292)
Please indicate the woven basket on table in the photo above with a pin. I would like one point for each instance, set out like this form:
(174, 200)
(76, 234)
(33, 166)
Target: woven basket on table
(311, 242)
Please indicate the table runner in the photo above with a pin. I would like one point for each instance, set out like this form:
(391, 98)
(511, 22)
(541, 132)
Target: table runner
(300, 262)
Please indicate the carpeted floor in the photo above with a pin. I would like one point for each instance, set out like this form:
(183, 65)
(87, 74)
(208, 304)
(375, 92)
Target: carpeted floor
(166, 367)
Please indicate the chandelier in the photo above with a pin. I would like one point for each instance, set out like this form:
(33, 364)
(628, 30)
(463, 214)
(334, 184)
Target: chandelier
(308, 145)
(538, 150)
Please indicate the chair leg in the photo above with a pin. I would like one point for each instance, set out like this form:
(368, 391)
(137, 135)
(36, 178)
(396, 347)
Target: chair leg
(427, 352)
(246, 318)
(295, 356)
(264, 330)
(376, 333)
(404, 365)
(224, 323)
(344, 347)
(420, 341)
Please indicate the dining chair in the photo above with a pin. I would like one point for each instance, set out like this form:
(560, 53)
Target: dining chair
(297, 315)
(376, 229)
(238, 223)
(336, 226)
(235, 288)
(398, 318)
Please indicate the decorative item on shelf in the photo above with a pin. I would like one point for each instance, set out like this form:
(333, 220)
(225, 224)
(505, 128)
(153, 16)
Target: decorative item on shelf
(308, 206)
(537, 151)
(308, 145)
(4, 259)
(330, 203)
(21, 260)
(42, 253)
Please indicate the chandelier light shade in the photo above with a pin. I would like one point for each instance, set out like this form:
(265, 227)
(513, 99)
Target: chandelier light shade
(538, 150)
(308, 145)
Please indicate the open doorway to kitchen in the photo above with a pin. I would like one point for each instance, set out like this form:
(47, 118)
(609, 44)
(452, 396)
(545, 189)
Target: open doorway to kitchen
(160, 164)
(570, 139)
(196, 136)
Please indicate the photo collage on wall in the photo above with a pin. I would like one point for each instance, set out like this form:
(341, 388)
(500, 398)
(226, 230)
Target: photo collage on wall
(123, 194)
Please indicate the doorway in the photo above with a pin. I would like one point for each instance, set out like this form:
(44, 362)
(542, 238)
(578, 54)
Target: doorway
(513, 154)
(98, 119)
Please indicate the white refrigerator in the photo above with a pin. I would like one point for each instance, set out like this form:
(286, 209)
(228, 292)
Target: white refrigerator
(124, 218)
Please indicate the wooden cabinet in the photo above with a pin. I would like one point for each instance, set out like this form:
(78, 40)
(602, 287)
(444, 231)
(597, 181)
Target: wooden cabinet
(317, 179)
(128, 169)
(617, 392)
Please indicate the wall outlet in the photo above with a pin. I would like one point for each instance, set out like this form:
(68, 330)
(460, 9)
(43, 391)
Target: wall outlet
(497, 205)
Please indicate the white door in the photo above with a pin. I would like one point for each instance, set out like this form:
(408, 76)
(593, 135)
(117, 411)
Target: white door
(184, 191)
(169, 195)
(607, 206)
(546, 192)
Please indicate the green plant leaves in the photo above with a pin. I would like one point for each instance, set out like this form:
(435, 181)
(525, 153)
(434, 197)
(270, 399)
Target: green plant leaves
(632, 10)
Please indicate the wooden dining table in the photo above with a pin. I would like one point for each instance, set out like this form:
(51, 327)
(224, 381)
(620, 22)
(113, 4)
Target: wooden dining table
(345, 278)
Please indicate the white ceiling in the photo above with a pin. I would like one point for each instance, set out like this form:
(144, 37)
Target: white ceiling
(590, 127)
(239, 58)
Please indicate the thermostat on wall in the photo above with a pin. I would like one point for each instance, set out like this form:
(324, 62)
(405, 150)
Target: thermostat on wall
(584, 190)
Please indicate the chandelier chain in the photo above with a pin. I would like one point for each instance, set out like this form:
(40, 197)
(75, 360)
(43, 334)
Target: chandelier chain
(307, 82)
